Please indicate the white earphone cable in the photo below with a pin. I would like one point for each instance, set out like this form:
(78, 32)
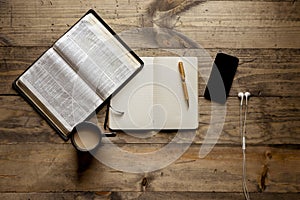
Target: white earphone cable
(243, 140)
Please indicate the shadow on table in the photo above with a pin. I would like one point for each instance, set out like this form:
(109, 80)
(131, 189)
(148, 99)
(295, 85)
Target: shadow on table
(84, 161)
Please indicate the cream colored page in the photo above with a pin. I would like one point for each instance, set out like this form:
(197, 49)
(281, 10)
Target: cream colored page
(171, 109)
(162, 105)
(97, 56)
(60, 89)
(135, 99)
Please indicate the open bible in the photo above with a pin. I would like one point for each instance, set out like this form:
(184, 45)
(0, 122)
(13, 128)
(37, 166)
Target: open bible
(78, 73)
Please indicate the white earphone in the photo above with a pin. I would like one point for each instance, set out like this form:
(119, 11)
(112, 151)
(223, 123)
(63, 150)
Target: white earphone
(243, 132)
(247, 95)
(242, 94)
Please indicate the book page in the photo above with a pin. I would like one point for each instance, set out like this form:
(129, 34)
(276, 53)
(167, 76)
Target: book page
(154, 98)
(60, 89)
(173, 111)
(135, 100)
(97, 56)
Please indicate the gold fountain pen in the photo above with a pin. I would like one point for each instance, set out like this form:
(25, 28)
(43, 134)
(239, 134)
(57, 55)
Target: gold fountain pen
(182, 75)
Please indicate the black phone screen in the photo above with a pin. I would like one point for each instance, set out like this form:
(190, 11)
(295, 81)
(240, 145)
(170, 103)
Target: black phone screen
(221, 78)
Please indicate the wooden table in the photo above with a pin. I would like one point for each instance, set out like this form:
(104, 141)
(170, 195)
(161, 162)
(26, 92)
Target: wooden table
(35, 163)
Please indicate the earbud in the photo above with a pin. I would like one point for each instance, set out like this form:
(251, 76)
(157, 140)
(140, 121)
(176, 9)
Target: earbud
(243, 132)
(241, 95)
(247, 95)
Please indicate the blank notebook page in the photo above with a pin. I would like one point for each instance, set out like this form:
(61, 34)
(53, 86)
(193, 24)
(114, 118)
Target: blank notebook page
(154, 98)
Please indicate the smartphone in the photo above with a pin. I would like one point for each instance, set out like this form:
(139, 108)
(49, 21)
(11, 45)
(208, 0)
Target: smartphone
(221, 78)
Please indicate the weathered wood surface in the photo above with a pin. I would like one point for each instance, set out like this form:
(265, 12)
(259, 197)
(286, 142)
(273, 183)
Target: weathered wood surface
(199, 196)
(265, 35)
(54, 168)
(260, 67)
(270, 121)
(232, 24)
(144, 196)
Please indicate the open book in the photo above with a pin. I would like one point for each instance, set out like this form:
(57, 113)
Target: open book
(78, 73)
(154, 98)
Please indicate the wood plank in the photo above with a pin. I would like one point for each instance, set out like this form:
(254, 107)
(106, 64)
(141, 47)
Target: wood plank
(200, 196)
(270, 121)
(57, 196)
(229, 24)
(258, 66)
(71, 9)
(256, 24)
(54, 168)
(145, 195)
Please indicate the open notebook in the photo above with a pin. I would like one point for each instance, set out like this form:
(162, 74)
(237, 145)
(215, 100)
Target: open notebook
(154, 98)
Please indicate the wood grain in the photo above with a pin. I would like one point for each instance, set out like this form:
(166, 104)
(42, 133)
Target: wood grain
(270, 121)
(54, 167)
(264, 34)
(258, 66)
(229, 24)
(145, 196)
(199, 196)
(58, 196)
